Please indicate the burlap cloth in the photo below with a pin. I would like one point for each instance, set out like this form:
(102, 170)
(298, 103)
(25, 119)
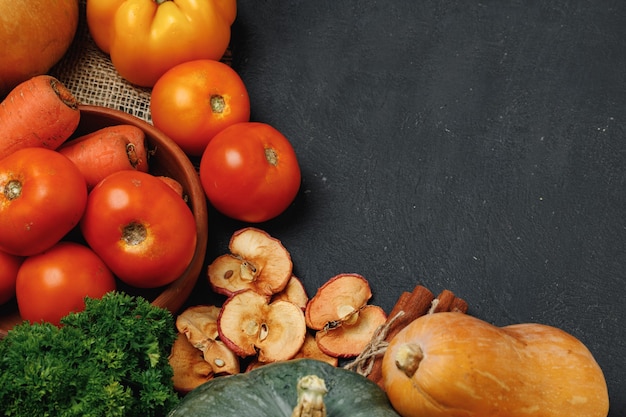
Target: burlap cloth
(90, 75)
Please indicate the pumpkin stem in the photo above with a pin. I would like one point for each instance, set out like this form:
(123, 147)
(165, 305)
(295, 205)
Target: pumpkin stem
(408, 358)
(311, 391)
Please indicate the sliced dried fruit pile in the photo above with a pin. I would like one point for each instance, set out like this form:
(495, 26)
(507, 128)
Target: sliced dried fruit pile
(267, 315)
(339, 313)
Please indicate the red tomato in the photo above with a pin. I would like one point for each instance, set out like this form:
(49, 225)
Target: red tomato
(250, 172)
(42, 198)
(9, 265)
(54, 283)
(140, 227)
(193, 101)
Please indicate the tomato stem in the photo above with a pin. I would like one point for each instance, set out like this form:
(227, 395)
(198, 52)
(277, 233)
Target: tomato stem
(13, 189)
(218, 104)
(134, 233)
(271, 156)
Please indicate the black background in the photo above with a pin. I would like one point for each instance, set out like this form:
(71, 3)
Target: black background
(473, 146)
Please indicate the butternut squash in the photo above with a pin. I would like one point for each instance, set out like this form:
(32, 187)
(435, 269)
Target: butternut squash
(455, 365)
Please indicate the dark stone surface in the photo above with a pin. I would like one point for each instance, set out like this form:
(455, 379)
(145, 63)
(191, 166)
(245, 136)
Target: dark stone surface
(473, 146)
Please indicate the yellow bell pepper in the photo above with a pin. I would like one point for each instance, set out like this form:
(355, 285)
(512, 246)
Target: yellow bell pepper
(145, 38)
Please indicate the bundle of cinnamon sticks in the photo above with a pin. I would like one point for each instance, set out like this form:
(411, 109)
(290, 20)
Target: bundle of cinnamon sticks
(410, 306)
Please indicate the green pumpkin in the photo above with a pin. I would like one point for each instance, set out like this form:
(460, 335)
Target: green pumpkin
(272, 391)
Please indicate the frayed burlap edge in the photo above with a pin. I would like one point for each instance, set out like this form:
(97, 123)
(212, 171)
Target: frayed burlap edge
(89, 74)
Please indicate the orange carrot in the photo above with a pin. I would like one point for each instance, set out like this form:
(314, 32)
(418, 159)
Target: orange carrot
(40, 112)
(176, 186)
(107, 150)
(135, 136)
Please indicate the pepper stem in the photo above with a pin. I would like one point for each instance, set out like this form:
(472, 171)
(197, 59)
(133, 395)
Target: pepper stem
(311, 391)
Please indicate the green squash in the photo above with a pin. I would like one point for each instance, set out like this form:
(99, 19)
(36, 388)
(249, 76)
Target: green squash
(272, 391)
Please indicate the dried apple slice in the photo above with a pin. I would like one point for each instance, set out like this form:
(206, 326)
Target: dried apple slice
(337, 301)
(199, 325)
(294, 292)
(222, 359)
(310, 349)
(257, 262)
(348, 340)
(250, 325)
(190, 368)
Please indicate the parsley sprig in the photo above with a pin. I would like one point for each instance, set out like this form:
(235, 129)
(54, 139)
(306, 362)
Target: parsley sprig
(109, 360)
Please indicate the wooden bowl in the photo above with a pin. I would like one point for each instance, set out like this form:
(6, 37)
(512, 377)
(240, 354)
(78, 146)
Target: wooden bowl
(168, 159)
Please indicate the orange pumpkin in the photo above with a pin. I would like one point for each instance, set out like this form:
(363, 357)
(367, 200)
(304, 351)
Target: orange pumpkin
(456, 365)
(34, 35)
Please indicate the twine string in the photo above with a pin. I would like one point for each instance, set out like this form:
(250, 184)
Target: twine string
(376, 347)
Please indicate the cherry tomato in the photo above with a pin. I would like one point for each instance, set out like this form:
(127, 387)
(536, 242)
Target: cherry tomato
(42, 198)
(9, 265)
(193, 101)
(250, 172)
(140, 227)
(55, 282)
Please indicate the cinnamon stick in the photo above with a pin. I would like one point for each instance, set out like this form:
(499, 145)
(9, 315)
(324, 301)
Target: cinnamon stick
(416, 304)
(400, 305)
(460, 305)
(443, 302)
(413, 305)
